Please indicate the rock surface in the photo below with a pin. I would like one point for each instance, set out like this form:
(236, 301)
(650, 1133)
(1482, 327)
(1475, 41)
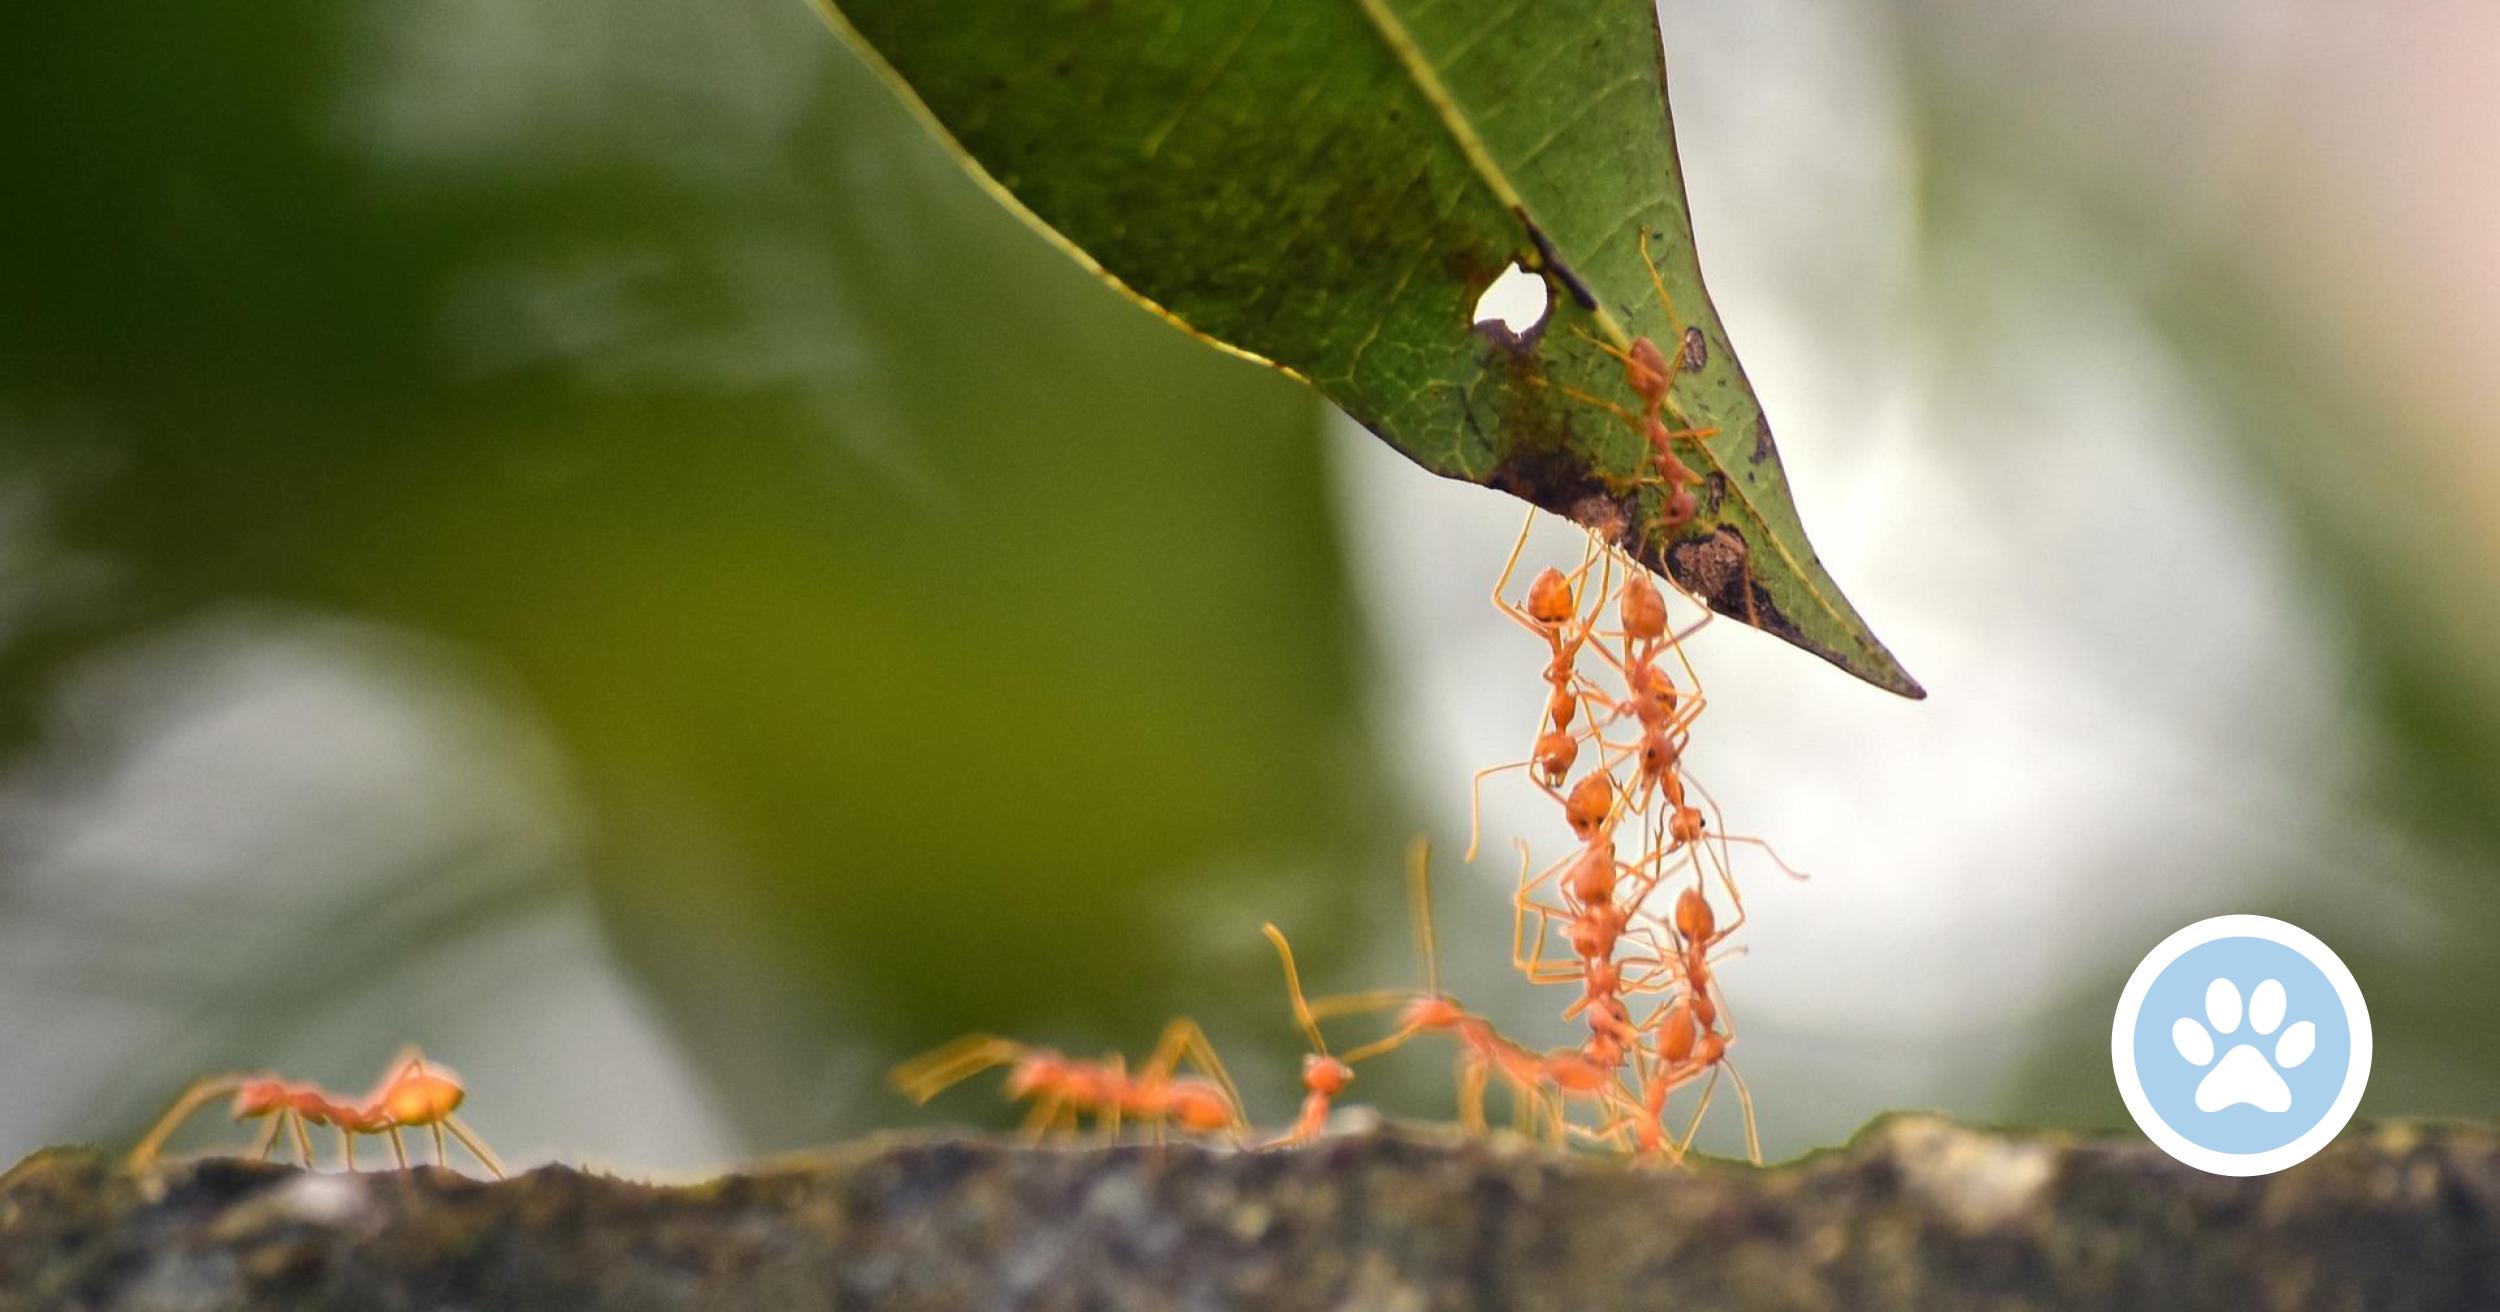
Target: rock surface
(1915, 1213)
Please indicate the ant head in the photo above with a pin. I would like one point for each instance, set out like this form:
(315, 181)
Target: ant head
(1434, 1011)
(1589, 803)
(1693, 917)
(258, 1097)
(1555, 752)
(1643, 611)
(1200, 1107)
(1325, 1075)
(1659, 752)
(1549, 597)
(1679, 507)
(1685, 825)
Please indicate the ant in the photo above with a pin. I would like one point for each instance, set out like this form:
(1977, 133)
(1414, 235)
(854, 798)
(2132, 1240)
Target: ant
(1540, 1083)
(1693, 1032)
(1650, 375)
(1064, 1089)
(410, 1095)
(1551, 608)
(1323, 1077)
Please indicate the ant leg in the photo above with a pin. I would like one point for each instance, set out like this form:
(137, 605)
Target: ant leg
(1475, 804)
(399, 1148)
(441, 1157)
(1194, 1046)
(303, 1140)
(266, 1142)
(1388, 1043)
(1355, 1004)
(469, 1140)
(1471, 1078)
(1293, 989)
(1694, 1128)
(1502, 583)
(193, 1096)
(1744, 1099)
(1419, 895)
(1108, 1118)
(925, 1076)
(1045, 1110)
(1533, 965)
(347, 1147)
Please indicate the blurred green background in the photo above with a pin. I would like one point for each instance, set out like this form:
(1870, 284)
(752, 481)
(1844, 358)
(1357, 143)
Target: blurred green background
(577, 536)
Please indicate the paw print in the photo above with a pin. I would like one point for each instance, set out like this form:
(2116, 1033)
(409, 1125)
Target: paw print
(2244, 1075)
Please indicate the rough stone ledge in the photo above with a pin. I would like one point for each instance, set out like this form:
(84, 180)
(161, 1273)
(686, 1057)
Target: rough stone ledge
(1916, 1212)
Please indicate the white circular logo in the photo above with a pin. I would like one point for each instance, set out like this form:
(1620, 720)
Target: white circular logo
(2241, 1045)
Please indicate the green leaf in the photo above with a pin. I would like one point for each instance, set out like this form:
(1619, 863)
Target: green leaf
(1328, 185)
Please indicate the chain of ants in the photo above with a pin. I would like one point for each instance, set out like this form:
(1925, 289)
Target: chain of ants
(1647, 986)
(1620, 952)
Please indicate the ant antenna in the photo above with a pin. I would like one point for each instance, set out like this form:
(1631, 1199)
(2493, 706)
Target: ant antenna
(1293, 987)
(1419, 891)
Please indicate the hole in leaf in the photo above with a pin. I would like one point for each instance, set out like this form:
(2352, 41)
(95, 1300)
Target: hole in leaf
(1516, 303)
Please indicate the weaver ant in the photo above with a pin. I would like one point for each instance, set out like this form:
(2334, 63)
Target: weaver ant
(1064, 1089)
(1323, 1077)
(1691, 1034)
(411, 1095)
(1550, 612)
(1484, 1052)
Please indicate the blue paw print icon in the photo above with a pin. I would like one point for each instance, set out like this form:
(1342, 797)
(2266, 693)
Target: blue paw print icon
(2241, 1045)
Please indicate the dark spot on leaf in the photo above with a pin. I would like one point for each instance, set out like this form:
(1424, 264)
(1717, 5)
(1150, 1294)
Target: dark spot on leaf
(1718, 568)
(1713, 492)
(1762, 447)
(1696, 351)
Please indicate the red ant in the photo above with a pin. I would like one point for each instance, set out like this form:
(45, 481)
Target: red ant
(1063, 1088)
(1549, 613)
(1692, 1034)
(1483, 1051)
(1323, 1077)
(1651, 376)
(410, 1095)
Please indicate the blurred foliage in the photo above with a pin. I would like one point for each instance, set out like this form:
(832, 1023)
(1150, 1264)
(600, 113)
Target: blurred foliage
(922, 621)
(2392, 861)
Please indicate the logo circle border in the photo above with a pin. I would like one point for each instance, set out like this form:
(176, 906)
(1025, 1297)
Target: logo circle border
(2131, 1006)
